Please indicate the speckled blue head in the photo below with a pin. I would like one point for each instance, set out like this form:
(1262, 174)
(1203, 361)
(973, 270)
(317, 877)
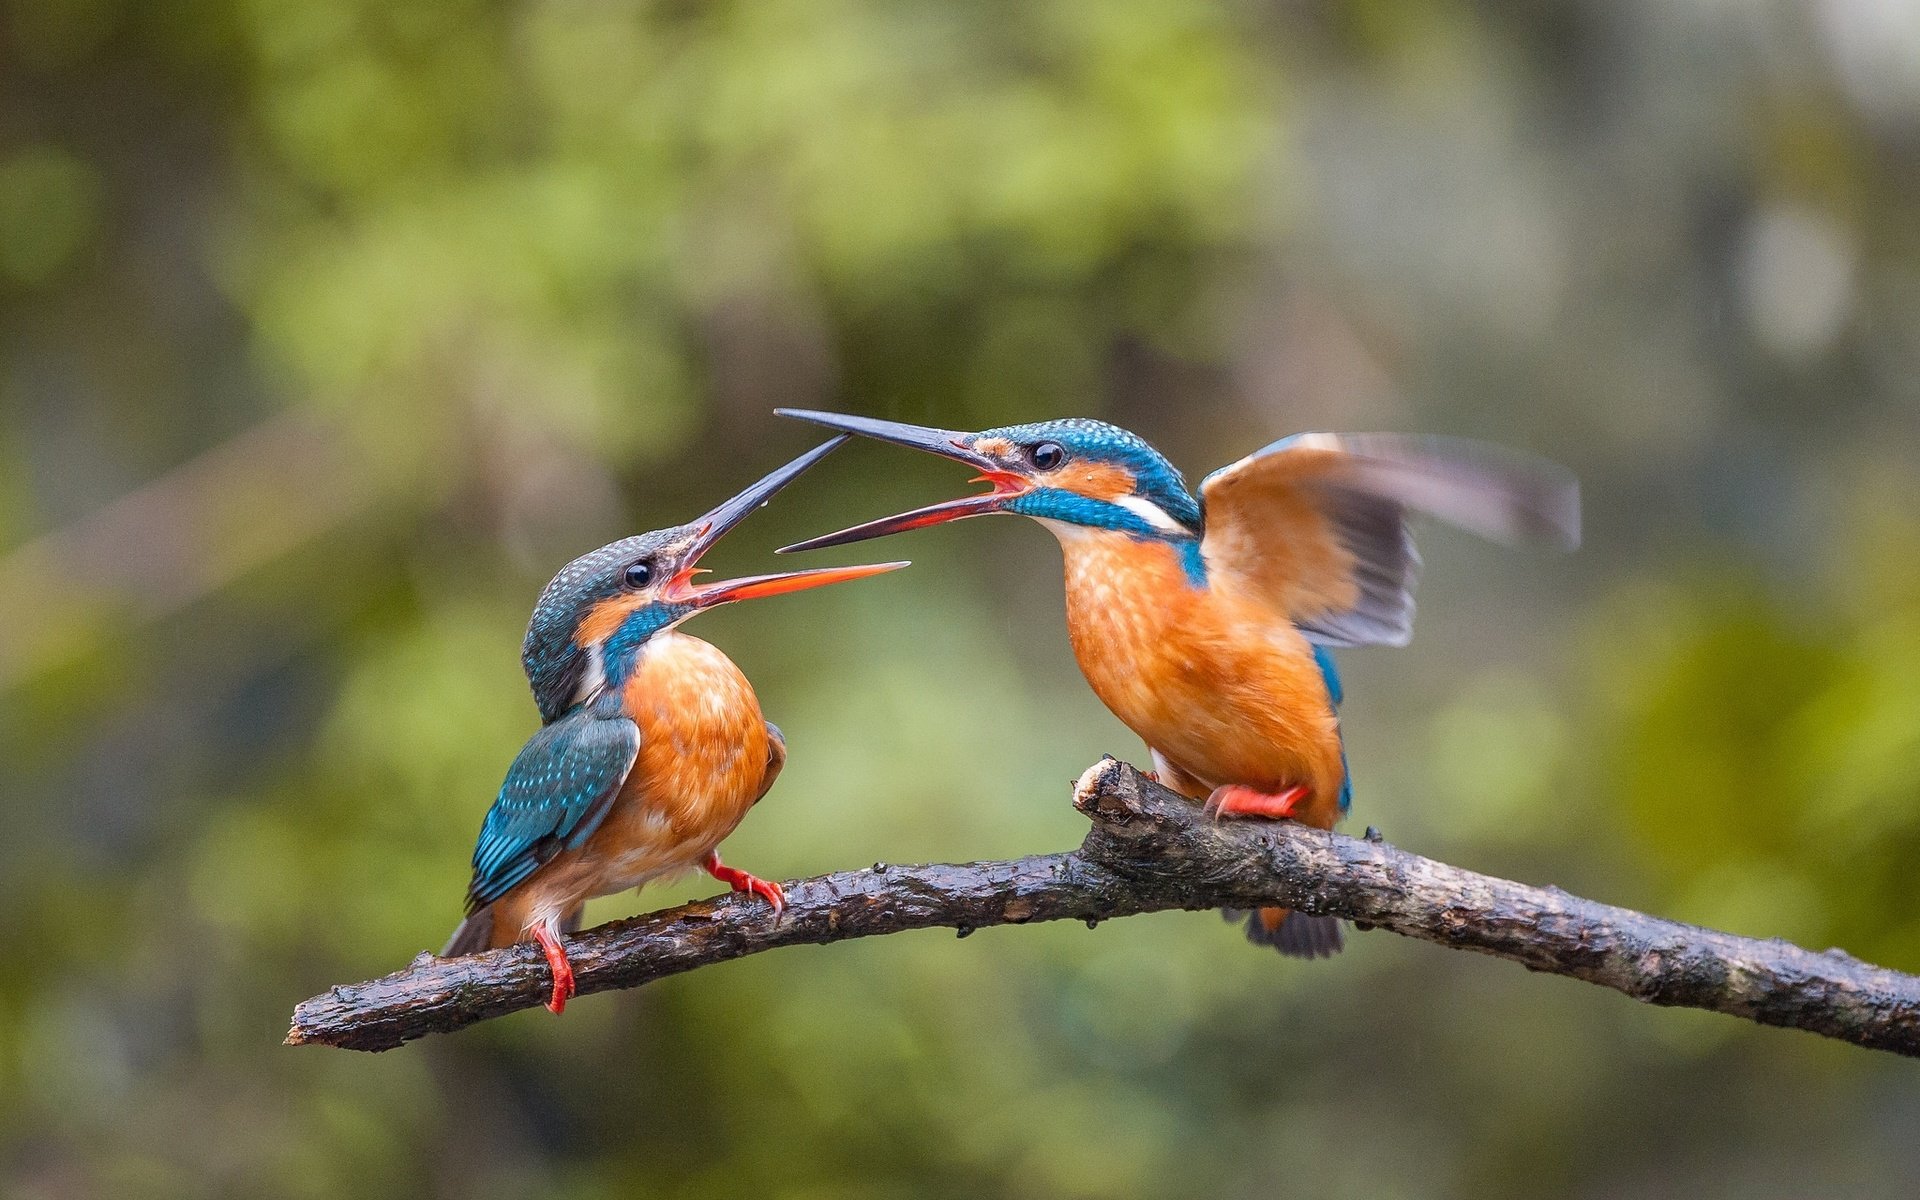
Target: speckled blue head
(564, 660)
(595, 616)
(1086, 441)
(1074, 471)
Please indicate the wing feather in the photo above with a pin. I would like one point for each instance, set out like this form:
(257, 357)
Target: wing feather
(1316, 524)
(556, 794)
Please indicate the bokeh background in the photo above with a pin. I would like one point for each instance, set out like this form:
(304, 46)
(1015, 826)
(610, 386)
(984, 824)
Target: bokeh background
(329, 330)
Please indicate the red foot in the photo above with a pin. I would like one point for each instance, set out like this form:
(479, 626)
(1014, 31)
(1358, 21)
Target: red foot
(557, 963)
(740, 881)
(1235, 800)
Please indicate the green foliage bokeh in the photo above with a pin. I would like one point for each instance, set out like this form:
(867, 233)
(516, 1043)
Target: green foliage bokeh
(330, 328)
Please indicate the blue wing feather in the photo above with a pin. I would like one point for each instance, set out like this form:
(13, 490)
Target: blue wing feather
(1336, 692)
(1330, 673)
(555, 795)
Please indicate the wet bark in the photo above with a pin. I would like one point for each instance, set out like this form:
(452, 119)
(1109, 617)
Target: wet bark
(1149, 850)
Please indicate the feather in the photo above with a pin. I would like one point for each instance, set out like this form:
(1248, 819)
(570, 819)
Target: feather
(1316, 524)
(556, 794)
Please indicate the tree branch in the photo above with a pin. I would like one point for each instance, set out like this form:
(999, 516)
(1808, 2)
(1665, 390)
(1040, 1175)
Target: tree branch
(1151, 850)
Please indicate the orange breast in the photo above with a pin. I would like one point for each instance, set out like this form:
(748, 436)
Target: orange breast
(1221, 685)
(703, 759)
(702, 764)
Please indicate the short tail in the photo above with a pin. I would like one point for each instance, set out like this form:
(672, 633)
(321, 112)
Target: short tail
(474, 935)
(1294, 934)
(476, 932)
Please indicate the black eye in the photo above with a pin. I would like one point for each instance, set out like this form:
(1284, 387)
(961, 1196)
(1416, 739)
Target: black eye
(639, 574)
(1047, 455)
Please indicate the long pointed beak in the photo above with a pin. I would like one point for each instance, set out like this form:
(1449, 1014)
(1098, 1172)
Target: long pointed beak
(919, 518)
(752, 587)
(729, 513)
(945, 442)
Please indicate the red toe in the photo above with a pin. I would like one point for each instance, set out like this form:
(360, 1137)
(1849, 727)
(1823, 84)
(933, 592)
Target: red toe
(770, 892)
(741, 881)
(1235, 800)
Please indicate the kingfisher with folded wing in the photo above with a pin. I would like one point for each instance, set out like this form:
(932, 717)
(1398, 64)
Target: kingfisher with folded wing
(1205, 625)
(653, 745)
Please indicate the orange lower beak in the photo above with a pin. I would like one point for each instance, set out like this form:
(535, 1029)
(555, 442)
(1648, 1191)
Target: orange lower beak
(753, 587)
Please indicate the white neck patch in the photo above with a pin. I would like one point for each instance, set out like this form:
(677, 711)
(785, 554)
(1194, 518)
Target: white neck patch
(1139, 506)
(594, 679)
(1152, 513)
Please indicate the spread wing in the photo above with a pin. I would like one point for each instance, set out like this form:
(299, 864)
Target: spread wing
(556, 794)
(1316, 524)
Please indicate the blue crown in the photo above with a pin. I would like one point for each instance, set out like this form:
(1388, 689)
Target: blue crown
(1155, 478)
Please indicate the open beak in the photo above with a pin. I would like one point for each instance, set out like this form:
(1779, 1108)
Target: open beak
(944, 442)
(751, 587)
(715, 524)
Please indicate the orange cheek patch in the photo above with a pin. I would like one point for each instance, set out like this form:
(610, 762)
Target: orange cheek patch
(993, 447)
(1102, 481)
(605, 618)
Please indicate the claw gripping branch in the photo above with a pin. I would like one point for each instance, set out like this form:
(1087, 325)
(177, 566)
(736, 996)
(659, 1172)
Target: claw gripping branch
(1150, 850)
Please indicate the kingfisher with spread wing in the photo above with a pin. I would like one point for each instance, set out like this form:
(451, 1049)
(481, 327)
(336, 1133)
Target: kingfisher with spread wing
(1205, 624)
(653, 745)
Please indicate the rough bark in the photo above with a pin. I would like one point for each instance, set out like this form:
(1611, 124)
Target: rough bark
(1150, 850)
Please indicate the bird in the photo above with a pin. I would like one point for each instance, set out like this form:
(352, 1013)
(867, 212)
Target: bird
(652, 744)
(1206, 623)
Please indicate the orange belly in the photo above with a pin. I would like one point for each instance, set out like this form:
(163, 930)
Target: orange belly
(1224, 688)
(704, 753)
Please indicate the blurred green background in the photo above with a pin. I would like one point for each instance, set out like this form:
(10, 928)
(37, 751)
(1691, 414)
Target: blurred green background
(329, 330)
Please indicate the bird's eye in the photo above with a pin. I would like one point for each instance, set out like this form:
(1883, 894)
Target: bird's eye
(640, 574)
(1047, 455)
